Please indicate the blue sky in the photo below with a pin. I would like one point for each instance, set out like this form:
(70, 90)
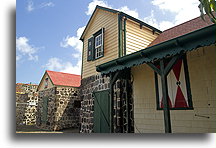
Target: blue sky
(48, 31)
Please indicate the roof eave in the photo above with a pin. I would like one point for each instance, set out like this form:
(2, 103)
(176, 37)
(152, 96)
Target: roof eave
(97, 7)
(190, 41)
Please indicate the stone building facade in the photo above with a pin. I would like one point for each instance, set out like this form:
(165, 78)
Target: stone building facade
(61, 110)
(122, 109)
(88, 86)
(58, 101)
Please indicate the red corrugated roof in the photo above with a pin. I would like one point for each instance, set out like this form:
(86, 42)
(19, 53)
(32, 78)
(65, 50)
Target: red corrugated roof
(64, 79)
(179, 30)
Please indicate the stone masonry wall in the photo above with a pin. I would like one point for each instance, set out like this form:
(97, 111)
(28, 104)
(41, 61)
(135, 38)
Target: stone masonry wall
(26, 103)
(63, 108)
(68, 108)
(50, 93)
(21, 104)
(123, 107)
(88, 85)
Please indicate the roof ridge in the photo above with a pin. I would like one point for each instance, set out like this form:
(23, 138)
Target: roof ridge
(62, 72)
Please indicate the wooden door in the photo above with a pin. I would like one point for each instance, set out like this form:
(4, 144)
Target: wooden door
(101, 112)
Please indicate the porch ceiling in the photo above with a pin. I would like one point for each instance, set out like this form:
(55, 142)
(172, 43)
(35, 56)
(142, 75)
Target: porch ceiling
(181, 44)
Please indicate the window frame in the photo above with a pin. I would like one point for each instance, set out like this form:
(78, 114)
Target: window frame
(98, 48)
(95, 50)
(188, 88)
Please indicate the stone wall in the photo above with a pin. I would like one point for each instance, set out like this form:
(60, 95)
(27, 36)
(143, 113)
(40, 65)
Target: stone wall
(122, 110)
(26, 103)
(26, 108)
(63, 108)
(89, 85)
(31, 109)
(123, 106)
(21, 104)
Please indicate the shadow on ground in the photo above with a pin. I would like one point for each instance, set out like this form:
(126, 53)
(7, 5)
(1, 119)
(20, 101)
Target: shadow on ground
(34, 129)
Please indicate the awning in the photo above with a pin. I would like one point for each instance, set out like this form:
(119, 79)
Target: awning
(188, 42)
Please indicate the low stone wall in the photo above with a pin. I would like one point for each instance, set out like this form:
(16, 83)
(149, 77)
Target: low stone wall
(31, 109)
(21, 104)
(63, 108)
(26, 108)
(89, 85)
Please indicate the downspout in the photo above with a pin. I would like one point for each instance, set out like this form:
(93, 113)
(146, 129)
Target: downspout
(120, 34)
(125, 51)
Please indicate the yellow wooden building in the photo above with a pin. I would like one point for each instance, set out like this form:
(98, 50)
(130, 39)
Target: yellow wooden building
(136, 78)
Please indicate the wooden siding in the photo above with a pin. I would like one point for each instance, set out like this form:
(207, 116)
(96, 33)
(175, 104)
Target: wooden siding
(201, 67)
(42, 83)
(108, 21)
(136, 38)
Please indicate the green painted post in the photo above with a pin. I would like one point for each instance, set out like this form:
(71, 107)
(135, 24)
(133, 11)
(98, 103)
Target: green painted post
(166, 110)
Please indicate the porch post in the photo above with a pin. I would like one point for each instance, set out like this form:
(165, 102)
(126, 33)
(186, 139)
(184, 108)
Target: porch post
(166, 110)
(111, 104)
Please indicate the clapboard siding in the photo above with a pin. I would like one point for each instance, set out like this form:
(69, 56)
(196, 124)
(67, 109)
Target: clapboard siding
(108, 21)
(136, 38)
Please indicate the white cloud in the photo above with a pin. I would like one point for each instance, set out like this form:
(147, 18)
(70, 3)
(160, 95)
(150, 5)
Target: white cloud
(24, 48)
(126, 10)
(73, 41)
(183, 10)
(162, 25)
(18, 57)
(30, 5)
(93, 4)
(57, 64)
(46, 4)
(76, 55)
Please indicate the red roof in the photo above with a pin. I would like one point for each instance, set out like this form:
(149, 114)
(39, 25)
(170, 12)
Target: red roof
(184, 28)
(64, 79)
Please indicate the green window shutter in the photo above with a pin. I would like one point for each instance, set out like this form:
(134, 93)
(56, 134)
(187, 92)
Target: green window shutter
(102, 32)
(90, 52)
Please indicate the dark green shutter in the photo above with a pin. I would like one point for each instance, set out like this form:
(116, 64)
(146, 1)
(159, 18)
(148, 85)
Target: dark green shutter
(102, 32)
(101, 112)
(90, 52)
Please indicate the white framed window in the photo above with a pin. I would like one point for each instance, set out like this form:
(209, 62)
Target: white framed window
(98, 46)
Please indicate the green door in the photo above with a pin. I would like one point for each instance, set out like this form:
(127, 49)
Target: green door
(102, 112)
(44, 111)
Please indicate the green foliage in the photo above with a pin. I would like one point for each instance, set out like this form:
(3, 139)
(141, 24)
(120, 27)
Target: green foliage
(208, 7)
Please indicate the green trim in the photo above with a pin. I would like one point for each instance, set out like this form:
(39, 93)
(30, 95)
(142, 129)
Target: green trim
(97, 7)
(120, 34)
(140, 22)
(184, 43)
(125, 51)
(122, 14)
(107, 9)
(187, 80)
